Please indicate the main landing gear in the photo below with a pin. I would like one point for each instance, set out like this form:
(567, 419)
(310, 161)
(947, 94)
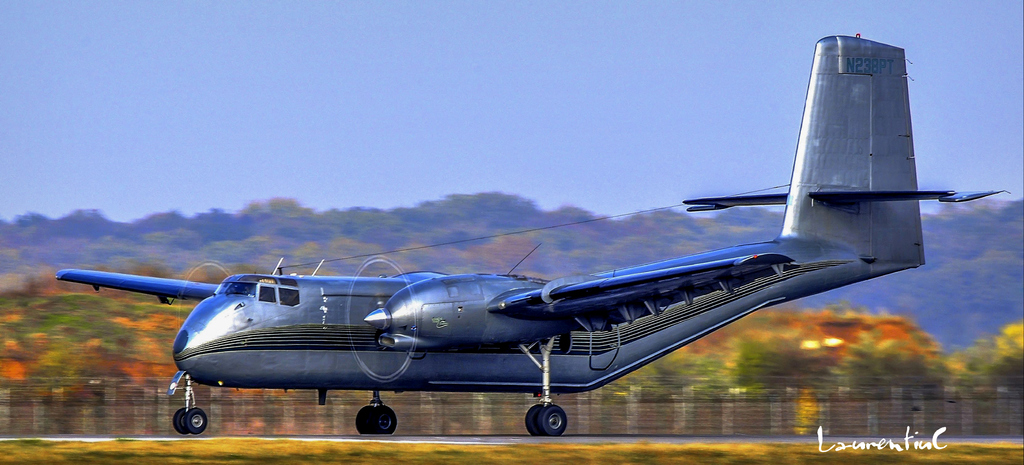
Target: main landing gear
(545, 418)
(376, 418)
(188, 419)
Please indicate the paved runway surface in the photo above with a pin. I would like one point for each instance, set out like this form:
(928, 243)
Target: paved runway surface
(567, 439)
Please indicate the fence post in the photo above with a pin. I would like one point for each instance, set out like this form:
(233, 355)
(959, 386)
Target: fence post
(967, 415)
(918, 410)
(873, 417)
(824, 414)
(632, 409)
(896, 409)
(583, 412)
(728, 407)
(949, 405)
(163, 417)
(427, 411)
(482, 414)
(5, 411)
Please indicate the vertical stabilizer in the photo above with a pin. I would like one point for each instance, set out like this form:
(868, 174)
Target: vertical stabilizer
(856, 136)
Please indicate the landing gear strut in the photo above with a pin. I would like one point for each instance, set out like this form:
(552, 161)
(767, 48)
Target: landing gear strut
(188, 419)
(545, 418)
(376, 418)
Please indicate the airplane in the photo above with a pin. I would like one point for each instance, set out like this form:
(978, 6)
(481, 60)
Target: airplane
(851, 214)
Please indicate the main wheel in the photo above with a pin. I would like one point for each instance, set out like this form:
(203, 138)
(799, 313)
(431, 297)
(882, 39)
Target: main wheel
(178, 421)
(195, 420)
(531, 420)
(383, 420)
(551, 420)
(363, 420)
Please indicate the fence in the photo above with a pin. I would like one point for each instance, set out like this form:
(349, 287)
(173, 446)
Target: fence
(637, 406)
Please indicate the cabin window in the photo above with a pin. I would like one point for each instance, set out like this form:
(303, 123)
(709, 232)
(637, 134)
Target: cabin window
(267, 294)
(289, 297)
(464, 291)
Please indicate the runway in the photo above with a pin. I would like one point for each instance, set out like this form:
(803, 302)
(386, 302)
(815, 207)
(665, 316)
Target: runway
(496, 440)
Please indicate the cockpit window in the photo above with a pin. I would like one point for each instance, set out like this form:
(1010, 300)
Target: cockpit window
(289, 282)
(248, 289)
(252, 278)
(289, 297)
(267, 294)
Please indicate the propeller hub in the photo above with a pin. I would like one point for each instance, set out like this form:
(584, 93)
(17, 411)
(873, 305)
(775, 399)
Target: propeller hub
(379, 318)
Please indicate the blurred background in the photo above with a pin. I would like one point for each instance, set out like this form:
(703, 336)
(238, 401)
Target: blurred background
(942, 345)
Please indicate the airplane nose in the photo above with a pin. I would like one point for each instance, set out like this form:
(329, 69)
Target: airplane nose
(379, 318)
(180, 342)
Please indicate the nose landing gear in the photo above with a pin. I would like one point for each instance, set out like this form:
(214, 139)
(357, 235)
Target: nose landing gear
(188, 419)
(376, 418)
(545, 418)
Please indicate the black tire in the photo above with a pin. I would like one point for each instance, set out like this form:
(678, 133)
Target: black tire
(551, 420)
(531, 420)
(195, 420)
(363, 420)
(178, 421)
(383, 420)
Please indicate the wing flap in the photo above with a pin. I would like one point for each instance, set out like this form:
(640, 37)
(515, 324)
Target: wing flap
(644, 289)
(160, 287)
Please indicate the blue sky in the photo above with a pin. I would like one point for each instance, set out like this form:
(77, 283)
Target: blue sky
(134, 108)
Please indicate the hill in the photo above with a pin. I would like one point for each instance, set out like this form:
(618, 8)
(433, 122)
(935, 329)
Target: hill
(972, 284)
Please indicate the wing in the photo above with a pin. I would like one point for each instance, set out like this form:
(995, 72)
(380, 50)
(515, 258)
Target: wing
(627, 297)
(164, 289)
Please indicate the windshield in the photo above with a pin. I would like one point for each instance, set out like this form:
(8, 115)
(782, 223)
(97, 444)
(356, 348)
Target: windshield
(237, 288)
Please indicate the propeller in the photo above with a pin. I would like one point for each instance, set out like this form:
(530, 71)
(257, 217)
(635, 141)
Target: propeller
(195, 269)
(380, 366)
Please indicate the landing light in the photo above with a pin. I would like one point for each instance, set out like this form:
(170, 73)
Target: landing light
(833, 342)
(810, 345)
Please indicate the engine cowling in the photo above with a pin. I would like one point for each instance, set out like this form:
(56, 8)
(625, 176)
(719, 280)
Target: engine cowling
(451, 312)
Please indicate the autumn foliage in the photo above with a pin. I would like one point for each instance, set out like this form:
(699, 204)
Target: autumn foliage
(74, 336)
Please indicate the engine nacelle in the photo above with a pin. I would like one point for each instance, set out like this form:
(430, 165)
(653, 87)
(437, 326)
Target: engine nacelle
(451, 312)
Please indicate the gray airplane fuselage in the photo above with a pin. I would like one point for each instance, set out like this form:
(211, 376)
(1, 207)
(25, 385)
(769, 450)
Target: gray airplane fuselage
(323, 342)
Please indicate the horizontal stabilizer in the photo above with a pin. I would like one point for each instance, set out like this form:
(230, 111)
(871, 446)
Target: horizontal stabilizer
(848, 197)
(721, 203)
(160, 287)
(834, 197)
(968, 196)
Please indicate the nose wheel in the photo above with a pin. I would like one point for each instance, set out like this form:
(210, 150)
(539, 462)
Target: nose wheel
(376, 418)
(545, 418)
(188, 419)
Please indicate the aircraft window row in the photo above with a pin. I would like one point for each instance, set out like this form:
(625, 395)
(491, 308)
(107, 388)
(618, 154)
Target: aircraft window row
(289, 297)
(267, 293)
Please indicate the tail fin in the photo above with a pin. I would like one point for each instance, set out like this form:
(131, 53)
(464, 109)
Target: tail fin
(856, 136)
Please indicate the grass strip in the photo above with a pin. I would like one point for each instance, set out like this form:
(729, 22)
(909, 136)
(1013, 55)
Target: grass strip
(229, 451)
